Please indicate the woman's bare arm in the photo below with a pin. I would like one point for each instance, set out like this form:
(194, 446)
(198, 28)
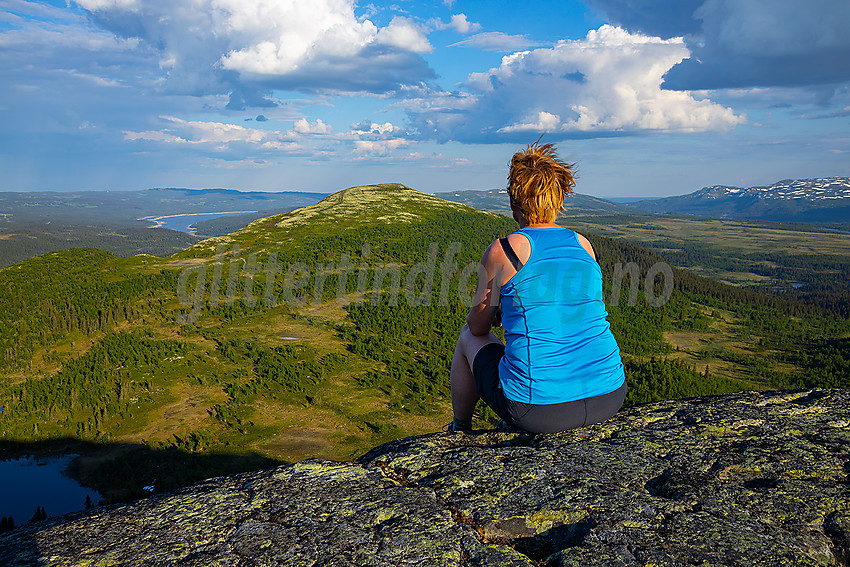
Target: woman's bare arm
(585, 243)
(485, 303)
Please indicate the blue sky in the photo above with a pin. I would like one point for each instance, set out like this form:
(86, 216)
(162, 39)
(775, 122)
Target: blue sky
(648, 97)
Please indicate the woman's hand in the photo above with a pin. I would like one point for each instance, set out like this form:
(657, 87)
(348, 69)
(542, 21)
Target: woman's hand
(497, 318)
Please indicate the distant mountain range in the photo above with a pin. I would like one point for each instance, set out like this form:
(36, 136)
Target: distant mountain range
(496, 201)
(120, 221)
(825, 200)
(128, 207)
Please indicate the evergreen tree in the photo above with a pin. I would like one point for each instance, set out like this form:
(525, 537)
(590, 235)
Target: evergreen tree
(39, 514)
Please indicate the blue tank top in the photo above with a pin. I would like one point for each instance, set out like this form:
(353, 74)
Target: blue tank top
(559, 346)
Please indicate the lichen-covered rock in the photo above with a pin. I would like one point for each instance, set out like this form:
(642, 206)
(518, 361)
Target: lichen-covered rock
(744, 479)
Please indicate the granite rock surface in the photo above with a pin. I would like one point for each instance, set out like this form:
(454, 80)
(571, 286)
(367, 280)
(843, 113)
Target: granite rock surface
(754, 478)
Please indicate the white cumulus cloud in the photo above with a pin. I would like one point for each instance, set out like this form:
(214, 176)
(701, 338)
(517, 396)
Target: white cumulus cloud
(249, 47)
(369, 127)
(462, 25)
(607, 83)
(304, 126)
(378, 147)
(404, 34)
(545, 123)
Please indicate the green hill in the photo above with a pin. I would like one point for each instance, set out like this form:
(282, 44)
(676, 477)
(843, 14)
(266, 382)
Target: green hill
(326, 330)
(354, 213)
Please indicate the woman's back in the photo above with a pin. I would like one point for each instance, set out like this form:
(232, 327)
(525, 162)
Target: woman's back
(561, 367)
(559, 343)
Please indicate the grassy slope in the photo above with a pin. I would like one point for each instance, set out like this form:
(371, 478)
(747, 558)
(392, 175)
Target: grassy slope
(337, 418)
(342, 413)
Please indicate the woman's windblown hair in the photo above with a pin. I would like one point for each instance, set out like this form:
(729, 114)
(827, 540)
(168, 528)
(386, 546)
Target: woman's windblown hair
(538, 182)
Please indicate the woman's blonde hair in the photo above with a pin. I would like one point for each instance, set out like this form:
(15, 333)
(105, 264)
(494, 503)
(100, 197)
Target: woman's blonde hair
(538, 181)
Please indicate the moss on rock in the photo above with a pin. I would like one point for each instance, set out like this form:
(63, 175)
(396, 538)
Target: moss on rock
(743, 479)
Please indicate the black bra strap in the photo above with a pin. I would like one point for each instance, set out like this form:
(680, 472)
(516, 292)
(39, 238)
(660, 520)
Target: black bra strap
(509, 252)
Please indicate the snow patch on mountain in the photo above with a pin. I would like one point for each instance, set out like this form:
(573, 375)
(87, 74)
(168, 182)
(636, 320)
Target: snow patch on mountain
(810, 189)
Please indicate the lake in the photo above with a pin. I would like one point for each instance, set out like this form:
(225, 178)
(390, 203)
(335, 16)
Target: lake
(29, 482)
(182, 222)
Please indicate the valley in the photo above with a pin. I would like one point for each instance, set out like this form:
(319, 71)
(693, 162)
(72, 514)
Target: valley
(101, 354)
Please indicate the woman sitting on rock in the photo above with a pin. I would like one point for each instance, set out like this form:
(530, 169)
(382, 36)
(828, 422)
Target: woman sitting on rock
(560, 367)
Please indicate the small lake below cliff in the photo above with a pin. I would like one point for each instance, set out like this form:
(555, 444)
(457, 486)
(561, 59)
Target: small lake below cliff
(184, 221)
(29, 482)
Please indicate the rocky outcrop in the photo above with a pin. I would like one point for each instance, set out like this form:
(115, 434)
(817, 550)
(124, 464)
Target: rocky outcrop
(744, 479)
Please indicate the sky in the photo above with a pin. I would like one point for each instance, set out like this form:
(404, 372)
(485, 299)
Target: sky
(646, 97)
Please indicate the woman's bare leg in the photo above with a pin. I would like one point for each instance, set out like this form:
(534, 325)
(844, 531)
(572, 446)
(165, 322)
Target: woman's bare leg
(464, 393)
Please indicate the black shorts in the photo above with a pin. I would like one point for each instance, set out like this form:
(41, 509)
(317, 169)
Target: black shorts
(548, 418)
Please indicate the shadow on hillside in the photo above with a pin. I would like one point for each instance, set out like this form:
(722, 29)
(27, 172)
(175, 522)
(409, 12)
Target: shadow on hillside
(122, 472)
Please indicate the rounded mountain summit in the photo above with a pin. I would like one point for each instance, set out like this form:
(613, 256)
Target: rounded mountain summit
(392, 207)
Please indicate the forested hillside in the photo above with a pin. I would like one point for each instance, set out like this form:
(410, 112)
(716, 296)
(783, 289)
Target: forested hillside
(22, 240)
(326, 330)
